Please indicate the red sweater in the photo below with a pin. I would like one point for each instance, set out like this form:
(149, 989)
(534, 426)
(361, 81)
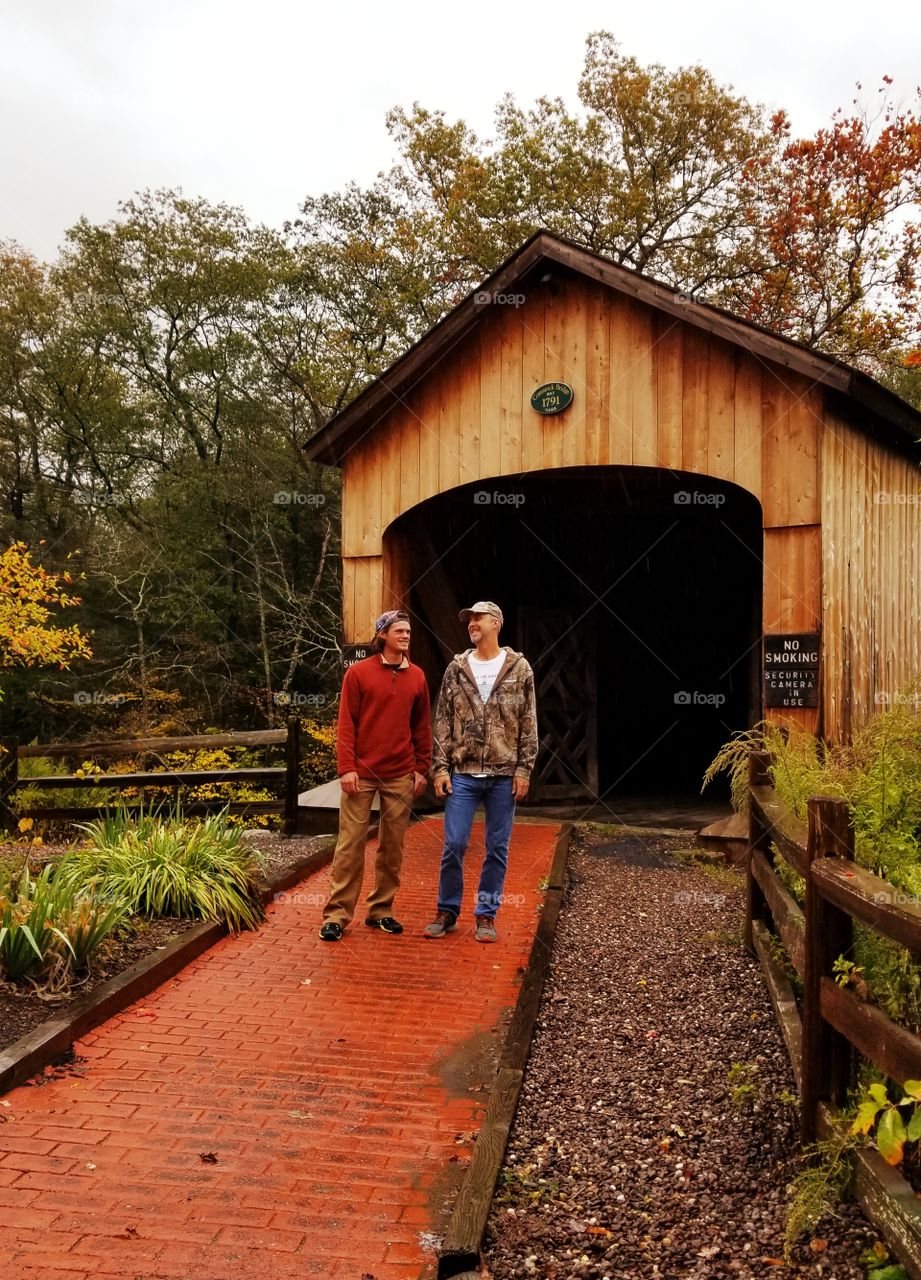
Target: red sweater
(384, 724)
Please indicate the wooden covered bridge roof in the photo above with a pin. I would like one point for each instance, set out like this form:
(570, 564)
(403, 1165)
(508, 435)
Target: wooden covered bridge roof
(883, 415)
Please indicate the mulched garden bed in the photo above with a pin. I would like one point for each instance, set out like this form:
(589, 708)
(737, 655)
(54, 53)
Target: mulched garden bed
(21, 1011)
(657, 1129)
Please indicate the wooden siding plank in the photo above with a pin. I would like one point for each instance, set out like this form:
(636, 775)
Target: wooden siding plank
(491, 390)
(560, 299)
(696, 406)
(620, 400)
(644, 407)
(571, 422)
(791, 417)
(511, 392)
(389, 462)
(361, 499)
(348, 600)
(468, 396)
(871, 565)
(793, 599)
(721, 445)
(413, 426)
(449, 429)
(533, 371)
(669, 391)
(597, 376)
(368, 574)
(747, 458)
(429, 442)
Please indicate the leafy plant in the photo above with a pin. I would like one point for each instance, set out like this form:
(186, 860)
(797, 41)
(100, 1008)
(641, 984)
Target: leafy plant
(893, 1129)
(819, 1185)
(878, 775)
(28, 936)
(47, 927)
(876, 1261)
(172, 867)
(31, 796)
(742, 1078)
(86, 922)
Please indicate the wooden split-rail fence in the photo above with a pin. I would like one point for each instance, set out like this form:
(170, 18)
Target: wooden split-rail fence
(284, 777)
(833, 1026)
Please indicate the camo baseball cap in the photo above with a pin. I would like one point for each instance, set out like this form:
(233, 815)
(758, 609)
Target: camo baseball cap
(482, 606)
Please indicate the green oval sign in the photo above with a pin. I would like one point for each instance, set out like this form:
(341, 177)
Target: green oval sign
(552, 397)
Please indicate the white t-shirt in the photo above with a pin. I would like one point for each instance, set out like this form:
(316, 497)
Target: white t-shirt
(485, 673)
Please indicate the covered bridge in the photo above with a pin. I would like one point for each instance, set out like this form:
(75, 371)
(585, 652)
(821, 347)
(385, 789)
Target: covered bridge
(718, 525)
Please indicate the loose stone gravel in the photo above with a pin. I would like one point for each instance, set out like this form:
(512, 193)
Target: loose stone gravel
(657, 1128)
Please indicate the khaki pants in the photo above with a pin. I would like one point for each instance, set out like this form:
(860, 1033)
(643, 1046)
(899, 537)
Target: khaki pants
(349, 859)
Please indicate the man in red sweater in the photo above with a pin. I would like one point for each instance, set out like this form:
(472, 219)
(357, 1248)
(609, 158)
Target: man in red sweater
(384, 747)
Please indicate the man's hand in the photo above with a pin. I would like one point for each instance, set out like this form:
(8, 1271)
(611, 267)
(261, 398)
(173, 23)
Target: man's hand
(442, 785)
(519, 787)
(420, 782)
(349, 783)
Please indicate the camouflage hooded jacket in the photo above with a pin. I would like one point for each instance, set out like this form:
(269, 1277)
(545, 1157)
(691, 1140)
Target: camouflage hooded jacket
(498, 736)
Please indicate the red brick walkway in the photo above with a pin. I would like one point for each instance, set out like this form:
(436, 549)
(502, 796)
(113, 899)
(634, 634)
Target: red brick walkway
(328, 1082)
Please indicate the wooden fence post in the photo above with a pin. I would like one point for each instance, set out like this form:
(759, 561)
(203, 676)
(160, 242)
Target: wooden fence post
(759, 764)
(826, 1053)
(292, 760)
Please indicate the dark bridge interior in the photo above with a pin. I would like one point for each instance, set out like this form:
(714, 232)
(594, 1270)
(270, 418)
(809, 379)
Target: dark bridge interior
(634, 592)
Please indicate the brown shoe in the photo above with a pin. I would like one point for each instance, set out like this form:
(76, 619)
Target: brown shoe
(485, 929)
(444, 922)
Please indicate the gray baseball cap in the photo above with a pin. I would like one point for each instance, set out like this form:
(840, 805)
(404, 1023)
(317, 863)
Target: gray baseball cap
(482, 606)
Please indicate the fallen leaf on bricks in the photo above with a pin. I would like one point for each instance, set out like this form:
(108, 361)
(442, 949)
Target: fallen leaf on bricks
(207, 1157)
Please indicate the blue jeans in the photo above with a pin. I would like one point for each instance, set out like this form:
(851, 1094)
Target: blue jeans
(466, 793)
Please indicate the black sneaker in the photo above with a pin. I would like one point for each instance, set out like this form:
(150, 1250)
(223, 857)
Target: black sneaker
(331, 932)
(386, 924)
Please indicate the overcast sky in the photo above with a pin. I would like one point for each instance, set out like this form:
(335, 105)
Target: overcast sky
(260, 103)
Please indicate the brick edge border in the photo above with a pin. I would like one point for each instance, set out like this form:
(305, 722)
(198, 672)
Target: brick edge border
(37, 1049)
(459, 1255)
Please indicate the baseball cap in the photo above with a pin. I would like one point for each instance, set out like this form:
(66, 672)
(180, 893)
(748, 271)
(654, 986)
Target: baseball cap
(482, 606)
(388, 619)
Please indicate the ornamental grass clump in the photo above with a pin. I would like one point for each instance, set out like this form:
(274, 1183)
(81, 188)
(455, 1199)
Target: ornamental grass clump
(170, 867)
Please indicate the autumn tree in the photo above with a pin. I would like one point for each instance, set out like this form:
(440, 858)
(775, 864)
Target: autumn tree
(661, 170)
(837, 231)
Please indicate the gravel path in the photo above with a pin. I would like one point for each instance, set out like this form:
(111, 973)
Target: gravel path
(656, 1133)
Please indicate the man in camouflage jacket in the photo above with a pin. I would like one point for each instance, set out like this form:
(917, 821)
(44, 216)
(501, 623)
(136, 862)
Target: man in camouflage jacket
(485, 745)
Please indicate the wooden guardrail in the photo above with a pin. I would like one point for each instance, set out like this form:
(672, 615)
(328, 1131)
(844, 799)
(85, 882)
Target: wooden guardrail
(283, 776)
(833, 1024)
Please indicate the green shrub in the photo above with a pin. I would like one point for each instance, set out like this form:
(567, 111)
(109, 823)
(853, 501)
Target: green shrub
(878, 775)
(29, 940)
(50, 928)
(169, 867)
(31, 796)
